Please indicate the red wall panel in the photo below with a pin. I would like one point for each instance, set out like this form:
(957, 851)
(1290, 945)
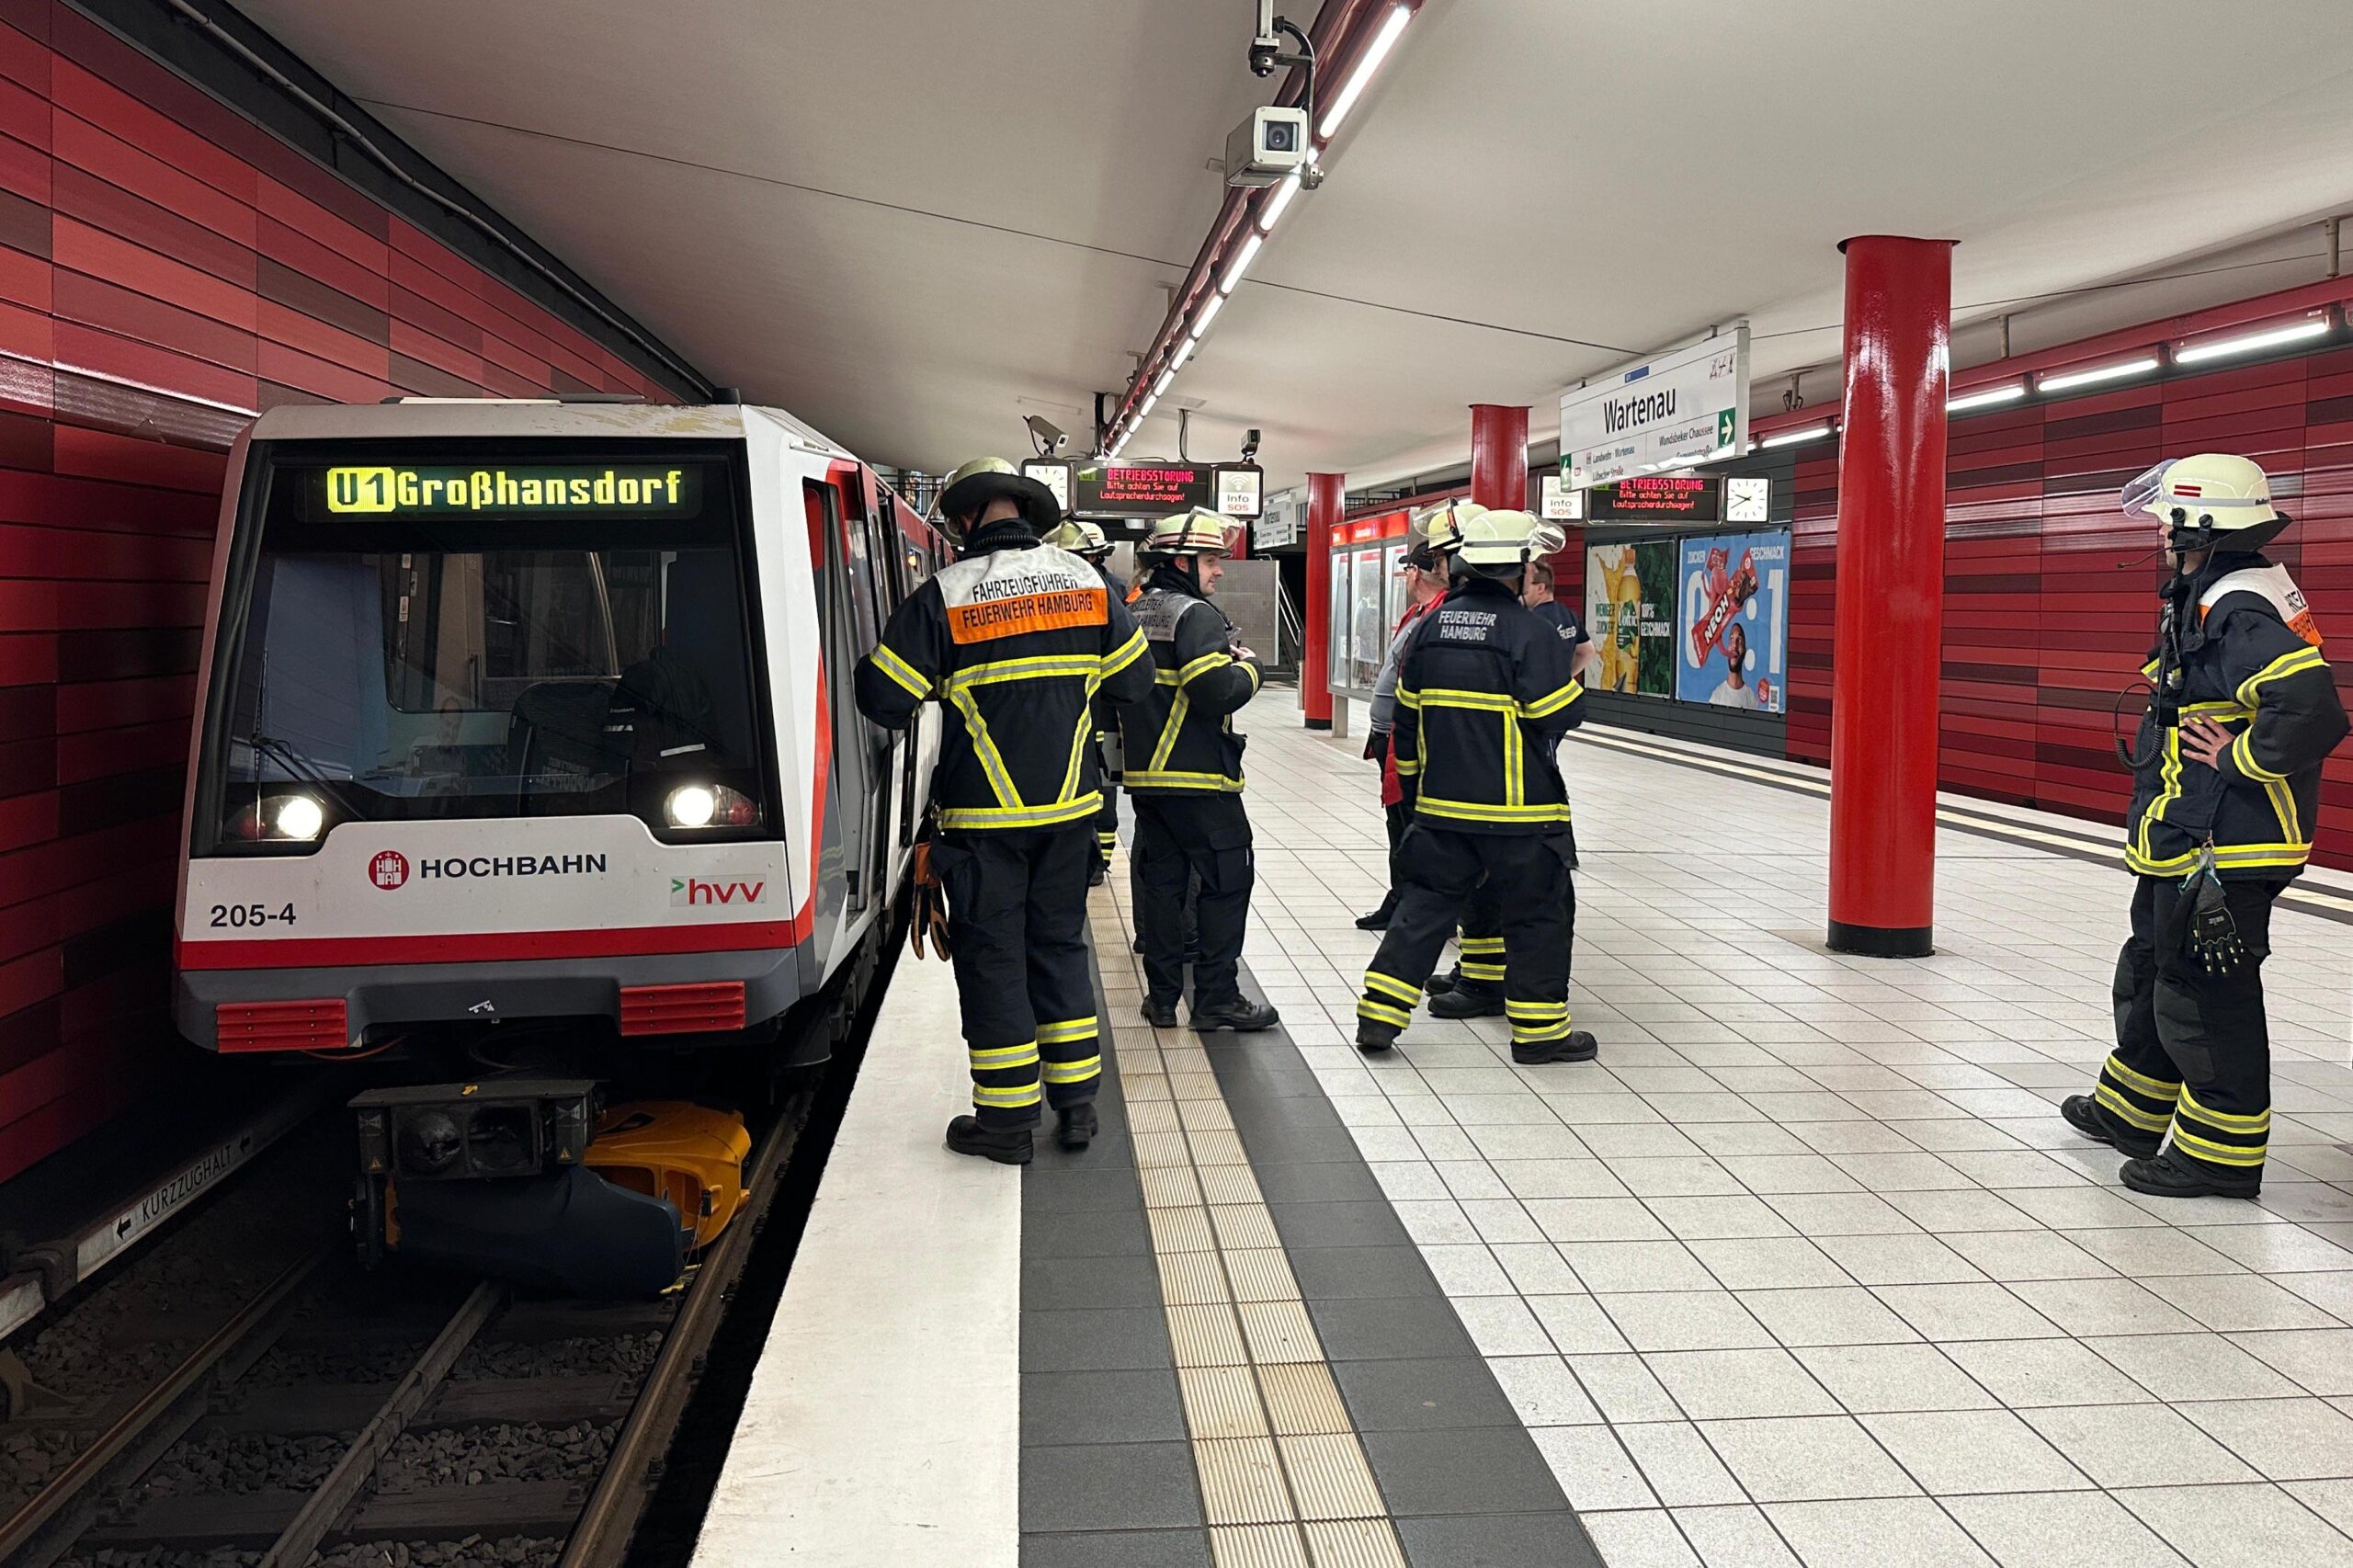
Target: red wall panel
(165, 266)
(2050, 593)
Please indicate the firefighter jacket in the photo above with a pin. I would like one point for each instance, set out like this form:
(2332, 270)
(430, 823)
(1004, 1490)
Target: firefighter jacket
(1485, 694)
(2238, 647)
(1182, 738)
(1107, 711)
(1016, 638)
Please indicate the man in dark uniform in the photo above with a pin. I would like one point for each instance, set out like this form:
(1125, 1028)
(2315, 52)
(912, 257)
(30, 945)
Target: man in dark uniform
(1016, 638)
(1185, 775)
(1539, 598)
(1086, 541)
(2225, 799)
(1485, 693)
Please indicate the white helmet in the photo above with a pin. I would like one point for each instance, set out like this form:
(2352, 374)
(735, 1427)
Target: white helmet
(1081, 537)
(2212, 500)
(1502, 543)
(1197, 532)
(1442, 525)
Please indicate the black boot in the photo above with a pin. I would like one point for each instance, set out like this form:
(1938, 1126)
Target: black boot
(1005, 1145)
(1467, 1002)
(1160, 1015)
(1439, 984)
(1237, 1013)
(1578, 1045)
(1373, 1039)
(2175, 1175)
(1077, 1126)
(1379, 919)
(2084, 1114)
(1095, 877)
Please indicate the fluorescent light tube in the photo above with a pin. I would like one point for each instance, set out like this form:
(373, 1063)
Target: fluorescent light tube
(2116, 372)
(1276, 203)
(1385, 41)
(1987, 397)
(1248, 254)
(1791, 437)
(2250, 343)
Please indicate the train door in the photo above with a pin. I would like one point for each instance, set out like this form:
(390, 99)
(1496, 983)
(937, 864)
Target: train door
(867, 583)
(849, 784)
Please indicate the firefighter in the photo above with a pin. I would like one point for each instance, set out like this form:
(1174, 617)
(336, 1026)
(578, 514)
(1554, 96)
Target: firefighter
(1086, 541)
(2225, 794)
(1016, 638)
(1185, 776)
(1485, 693)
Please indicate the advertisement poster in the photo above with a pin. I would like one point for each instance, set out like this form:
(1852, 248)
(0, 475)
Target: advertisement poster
(1734, 612)
(1630, 611)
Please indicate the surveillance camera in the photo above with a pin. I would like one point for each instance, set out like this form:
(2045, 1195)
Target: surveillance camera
(1266, 148)
(1265, 54)
(1249, 445)
(1051, 442)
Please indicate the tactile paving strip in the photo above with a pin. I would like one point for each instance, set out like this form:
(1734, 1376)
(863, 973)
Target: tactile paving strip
(1284, 1481)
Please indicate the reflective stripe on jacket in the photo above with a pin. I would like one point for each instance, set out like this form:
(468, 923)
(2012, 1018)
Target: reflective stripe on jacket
(1485, 693)
(1181, 737)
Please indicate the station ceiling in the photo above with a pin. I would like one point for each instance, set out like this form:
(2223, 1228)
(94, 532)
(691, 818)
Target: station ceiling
(912, 222)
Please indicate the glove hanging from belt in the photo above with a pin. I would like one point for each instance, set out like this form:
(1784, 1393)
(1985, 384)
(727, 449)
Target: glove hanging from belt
(930, 912)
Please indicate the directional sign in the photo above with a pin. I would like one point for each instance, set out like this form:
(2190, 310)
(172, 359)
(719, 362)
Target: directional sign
(1681, 408)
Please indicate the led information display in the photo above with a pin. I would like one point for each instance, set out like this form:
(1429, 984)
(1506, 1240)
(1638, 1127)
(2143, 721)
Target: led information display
(1141, 490)
(575, 491)
(1658, 498)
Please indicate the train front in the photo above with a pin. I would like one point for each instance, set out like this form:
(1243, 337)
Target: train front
(485, 781)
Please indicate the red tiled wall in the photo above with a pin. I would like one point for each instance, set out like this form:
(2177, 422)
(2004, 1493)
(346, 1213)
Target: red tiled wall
(167, 268)
(2049, 610)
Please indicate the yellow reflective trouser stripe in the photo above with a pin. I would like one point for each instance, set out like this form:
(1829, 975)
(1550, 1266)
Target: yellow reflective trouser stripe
(1068, 1029)
(2155, 1087)
(1086, 806)
(1477, 969)
(1389, 985)
(1127, 654)
(2279, 668)
(899, 670)
(2146, 1120)
(1074, 1072)
(1027, 1094)
(1536, 1010)
(2218, 1153)
(2228, 1121)
(985, 747)
(1530, 1034)
(988, 1059)
(1450, 696)
(1482, 944)
(1544, 706)
(1382, 1013)
(1472, 811)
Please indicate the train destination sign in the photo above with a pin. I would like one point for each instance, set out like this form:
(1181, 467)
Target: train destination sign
(1658, 498)
(575, 491)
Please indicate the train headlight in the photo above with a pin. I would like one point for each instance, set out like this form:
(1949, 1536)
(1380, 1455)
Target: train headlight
(711, 806)
(298, 816)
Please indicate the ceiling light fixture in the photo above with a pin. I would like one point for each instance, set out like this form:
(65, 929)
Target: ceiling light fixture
(1241, 264)
(1792, 437)
(2118, 372)
(2250, 343)
(1144, 410)
(1985, 397)
(1276, 204)
(1209, 308)
(1162, 385)
(1384, 41)
(1184, 352)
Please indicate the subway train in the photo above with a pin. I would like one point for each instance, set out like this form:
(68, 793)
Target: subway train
(528, 773)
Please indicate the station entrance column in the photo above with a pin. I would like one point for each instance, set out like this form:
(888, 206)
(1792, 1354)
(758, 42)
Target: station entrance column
(1889, 614)
(1327, 496)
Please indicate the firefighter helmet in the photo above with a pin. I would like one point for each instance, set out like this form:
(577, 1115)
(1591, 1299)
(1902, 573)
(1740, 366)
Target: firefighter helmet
(1082, 538)
(971, 489)
(1197, 532)
(1443, 525)
(2209, 501)
(1502, 543)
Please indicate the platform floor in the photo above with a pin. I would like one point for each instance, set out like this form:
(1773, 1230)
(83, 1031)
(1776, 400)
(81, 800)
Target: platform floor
(1804, 1270)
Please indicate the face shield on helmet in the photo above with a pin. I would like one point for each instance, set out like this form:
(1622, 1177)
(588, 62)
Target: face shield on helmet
(1082, 538)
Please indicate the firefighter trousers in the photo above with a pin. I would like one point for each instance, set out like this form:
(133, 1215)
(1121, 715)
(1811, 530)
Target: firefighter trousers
(2193, 1049)
(1527, 876)
(1016, 922)
(1482, 964)
(1107, 821)
(1181, 838)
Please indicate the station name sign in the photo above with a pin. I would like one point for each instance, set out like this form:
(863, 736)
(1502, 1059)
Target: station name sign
(1683, 407)
(446, 491)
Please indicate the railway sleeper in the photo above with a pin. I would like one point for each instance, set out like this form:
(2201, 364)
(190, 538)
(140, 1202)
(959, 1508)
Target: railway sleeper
(254, 1520)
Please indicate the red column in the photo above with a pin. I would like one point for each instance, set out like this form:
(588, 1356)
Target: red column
(1890, 598)
(1499, 456)
(1327, 498)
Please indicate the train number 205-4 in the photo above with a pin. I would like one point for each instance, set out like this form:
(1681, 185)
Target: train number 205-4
(241, 915)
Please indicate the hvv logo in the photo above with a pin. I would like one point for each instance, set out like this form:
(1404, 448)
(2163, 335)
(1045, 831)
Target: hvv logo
(694, 892)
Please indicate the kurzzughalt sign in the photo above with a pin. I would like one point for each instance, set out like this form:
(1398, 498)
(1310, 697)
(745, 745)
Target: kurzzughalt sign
(1681, 408)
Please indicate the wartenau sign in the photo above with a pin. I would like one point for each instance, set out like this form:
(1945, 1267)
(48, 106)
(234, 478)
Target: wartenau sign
(1681, 408)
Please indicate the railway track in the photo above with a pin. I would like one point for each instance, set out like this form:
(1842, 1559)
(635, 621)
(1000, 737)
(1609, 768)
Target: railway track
(338, 1418)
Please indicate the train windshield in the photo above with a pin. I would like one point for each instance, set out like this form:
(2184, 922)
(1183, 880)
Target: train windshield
(479, 638)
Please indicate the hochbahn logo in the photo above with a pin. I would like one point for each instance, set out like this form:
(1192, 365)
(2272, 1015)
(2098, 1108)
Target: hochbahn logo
(389, 870)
